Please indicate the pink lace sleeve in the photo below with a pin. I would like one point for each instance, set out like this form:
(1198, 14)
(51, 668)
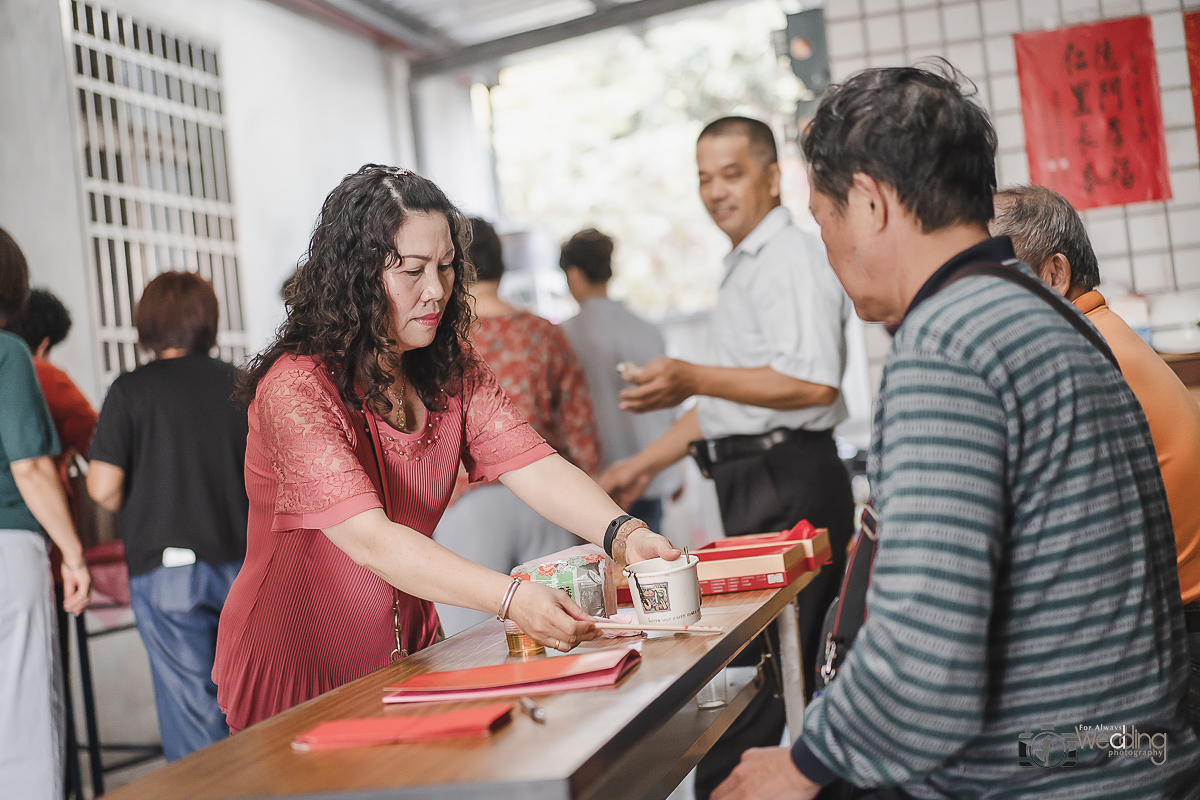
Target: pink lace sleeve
(306, 436)
(497, 438)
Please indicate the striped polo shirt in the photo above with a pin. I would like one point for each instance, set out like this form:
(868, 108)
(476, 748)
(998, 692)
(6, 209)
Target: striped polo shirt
(1024, 590)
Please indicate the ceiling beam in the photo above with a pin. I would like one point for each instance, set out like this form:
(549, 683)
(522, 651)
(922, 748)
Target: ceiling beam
(435, 38)
(378, 21)
(612, 16)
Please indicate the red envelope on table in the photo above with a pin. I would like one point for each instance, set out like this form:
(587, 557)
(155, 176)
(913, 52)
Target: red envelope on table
(583, 671)
(470, 723)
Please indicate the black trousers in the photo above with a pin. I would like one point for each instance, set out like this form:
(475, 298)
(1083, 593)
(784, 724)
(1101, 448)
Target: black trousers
(800, 478)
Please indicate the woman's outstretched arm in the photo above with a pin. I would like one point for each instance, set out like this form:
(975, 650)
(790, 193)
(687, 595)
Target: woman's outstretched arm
(419, 566)
(565, 495)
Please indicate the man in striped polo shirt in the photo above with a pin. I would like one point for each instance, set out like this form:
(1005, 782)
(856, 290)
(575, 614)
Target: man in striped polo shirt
(1025, 635)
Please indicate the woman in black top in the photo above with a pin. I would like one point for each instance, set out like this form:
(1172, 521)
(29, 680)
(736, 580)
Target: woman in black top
(168, 455)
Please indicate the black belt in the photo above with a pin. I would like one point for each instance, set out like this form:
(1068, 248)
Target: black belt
(710, 452)
(1191, 617)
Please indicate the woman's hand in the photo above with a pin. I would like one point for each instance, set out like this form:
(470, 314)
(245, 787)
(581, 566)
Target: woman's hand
(644, 543)
(550, 616)
(77, 587)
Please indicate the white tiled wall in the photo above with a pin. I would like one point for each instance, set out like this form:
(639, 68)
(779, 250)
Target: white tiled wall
(1149, 248)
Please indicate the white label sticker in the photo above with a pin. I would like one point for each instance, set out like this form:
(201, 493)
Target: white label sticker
(178, 557)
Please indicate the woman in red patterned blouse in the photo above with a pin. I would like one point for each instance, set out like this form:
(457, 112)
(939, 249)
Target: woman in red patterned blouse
(360, 414)
(532, 359)
(538, 371)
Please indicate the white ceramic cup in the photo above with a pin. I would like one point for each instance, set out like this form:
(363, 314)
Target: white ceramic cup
(665, 591)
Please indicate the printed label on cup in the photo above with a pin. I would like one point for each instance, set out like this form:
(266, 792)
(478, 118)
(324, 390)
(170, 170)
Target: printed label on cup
(655, 597)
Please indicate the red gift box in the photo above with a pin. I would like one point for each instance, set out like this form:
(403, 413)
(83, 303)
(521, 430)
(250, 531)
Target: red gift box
(757, 561)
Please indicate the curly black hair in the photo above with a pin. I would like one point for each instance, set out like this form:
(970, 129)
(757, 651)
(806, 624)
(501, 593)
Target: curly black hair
(338, 311)
(42, 317)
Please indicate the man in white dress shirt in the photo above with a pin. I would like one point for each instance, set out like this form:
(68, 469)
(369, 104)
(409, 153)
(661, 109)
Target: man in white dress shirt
(605, 334)
(768, 399)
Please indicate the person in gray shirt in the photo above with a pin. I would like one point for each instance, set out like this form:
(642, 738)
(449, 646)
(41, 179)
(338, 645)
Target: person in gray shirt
(605, 334)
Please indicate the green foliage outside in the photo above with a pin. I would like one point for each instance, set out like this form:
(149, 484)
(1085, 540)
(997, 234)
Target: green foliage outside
(601, 132)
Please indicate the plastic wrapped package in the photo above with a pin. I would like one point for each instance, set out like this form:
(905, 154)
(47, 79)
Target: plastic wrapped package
(583, 572)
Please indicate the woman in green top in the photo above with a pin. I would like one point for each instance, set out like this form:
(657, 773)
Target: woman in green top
(31, 501)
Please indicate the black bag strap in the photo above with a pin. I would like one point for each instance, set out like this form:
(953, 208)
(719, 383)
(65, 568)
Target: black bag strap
(1009, 272)
(851, 605)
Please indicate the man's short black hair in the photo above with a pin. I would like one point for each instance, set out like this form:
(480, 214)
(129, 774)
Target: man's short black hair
(762, 140)
(485, 251)
(1041, 222)
(590, 251)
(913, 129)
(42, 317)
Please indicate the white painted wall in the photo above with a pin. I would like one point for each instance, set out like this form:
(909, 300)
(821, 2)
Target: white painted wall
(305, 104)
(453, 151)
(39, 201)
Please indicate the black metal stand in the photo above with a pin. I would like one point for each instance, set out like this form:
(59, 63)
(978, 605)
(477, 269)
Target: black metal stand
(96, 762)
(73, 786)
(89, 707)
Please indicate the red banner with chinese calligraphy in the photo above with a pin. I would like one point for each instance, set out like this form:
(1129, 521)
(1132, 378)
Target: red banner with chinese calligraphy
(1093, 119)
(1191, 31)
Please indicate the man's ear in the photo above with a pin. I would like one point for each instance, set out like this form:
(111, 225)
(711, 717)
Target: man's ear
(773, 179)
(871, 198)
(1055, 272)
(43, 348)
(576, 281)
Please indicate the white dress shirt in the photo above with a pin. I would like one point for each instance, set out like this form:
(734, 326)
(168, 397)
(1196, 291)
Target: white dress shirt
(603, 334)
(780, 306)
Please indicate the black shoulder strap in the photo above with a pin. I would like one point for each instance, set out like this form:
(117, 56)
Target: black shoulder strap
(1014, 275)
(852, 600)
(848, 612)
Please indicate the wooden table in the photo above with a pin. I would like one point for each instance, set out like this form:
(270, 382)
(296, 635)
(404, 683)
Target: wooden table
(638, 739)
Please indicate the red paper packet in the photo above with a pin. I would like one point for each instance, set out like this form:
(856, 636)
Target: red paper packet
(369, 731)
(582, 671)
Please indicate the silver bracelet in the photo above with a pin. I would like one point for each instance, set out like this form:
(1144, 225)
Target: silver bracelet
(502, 614)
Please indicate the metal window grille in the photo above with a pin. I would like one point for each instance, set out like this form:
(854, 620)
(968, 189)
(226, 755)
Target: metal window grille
(153, 172)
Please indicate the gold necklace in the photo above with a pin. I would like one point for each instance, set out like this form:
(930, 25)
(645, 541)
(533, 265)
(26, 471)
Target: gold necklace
(398, 403)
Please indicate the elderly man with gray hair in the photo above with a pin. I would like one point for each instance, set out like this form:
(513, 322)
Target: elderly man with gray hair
(1048, 234)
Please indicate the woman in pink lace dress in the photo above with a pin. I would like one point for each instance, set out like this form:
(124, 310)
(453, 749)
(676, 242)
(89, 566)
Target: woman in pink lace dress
(360, 414)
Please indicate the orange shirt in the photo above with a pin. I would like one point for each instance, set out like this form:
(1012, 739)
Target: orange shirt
(1174, 419)
(74, 418)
